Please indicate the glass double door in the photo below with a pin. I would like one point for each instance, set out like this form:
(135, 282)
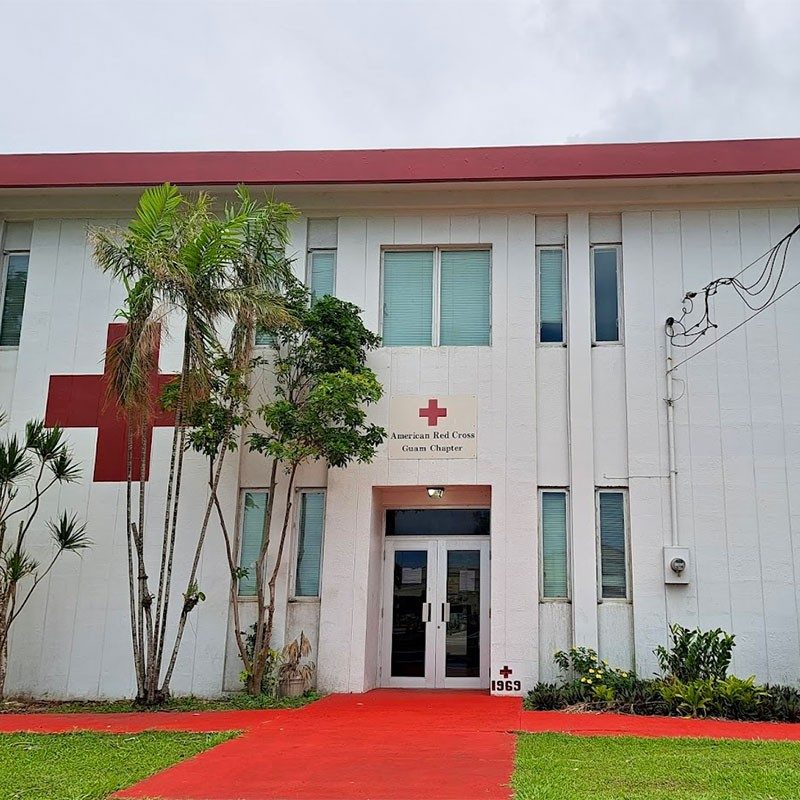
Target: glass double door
(436, 612)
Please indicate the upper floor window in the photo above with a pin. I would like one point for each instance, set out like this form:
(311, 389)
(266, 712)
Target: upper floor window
(606, 292)
(13, 280)
(323, 237)
(613, 540)
(551, 294)
(436, 297)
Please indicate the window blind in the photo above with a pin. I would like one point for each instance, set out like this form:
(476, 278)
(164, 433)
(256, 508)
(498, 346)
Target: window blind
(612, 545)
(16, 279)
(407, 298)
(551, 295)
(554, 545)
(606, 294)
(465, 293)
(253, 514)
(309, 547)
(322, 272)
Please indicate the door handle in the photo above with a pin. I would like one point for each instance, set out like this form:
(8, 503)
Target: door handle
(426, 612)
(445, 612)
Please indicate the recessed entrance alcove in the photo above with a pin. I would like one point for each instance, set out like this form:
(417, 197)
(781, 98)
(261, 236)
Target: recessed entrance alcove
(432, 586)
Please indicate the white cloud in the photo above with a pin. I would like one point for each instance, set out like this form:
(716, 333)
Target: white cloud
(211, 74)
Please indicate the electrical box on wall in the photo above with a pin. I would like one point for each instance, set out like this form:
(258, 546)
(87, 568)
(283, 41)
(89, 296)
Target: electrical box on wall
(677, 568)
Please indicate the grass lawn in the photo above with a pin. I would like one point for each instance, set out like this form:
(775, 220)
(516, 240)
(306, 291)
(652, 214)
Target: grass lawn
(553, 766)
(89, 766)
(238, 701)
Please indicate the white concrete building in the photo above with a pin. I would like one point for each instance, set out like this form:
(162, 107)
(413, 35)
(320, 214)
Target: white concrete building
(522, 294)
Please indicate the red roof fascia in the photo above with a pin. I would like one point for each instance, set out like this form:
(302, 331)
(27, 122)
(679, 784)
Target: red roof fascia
(536, 163)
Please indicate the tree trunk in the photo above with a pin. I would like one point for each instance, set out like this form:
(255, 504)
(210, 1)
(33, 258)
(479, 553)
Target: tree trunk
(188, 602)
(3, 667)
(261, 656)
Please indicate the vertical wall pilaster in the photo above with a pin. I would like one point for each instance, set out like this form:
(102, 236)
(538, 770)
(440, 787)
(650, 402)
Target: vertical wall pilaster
(583, 552)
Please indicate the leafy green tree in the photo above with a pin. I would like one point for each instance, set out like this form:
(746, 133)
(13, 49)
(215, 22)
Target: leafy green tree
(182, 263)
(30, 466)
(315, 410)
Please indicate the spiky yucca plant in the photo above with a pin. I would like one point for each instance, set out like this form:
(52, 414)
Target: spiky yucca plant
(30, 466)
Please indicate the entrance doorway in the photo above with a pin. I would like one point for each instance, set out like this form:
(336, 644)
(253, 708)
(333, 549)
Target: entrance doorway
(436, 608)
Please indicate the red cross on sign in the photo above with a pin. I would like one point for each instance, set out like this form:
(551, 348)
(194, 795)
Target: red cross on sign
(80, 401)
(433, 412)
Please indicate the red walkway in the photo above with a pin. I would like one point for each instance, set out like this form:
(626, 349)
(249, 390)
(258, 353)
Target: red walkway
(384, 745)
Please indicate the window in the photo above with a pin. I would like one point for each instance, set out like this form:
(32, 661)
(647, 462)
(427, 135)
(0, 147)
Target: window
(13, 280)
(323, 237)
(611, 528)
(606, 289)
(309, 543)
(551, 294)
(254, 510)
(553, 529)
(436, 297)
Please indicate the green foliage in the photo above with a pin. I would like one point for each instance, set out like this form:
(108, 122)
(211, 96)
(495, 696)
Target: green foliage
(779, 703)
(695, 655)
(270, 679)
(322, 386)
(591, 684)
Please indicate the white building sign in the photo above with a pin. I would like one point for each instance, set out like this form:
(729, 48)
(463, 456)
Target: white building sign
(431, 426)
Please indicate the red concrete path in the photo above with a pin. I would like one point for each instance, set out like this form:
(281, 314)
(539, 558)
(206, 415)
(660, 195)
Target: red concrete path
(384, 745)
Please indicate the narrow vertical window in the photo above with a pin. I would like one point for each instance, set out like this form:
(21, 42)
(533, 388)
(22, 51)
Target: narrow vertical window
(551, 294)
(613, 544)
(465, 292)
(605, 281)
(553, 527)
(407, 297)
(309, 544)
(323, 240)
(13, 280)
(254, 510)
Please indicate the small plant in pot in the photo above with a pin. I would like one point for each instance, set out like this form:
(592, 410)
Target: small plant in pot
(296, 671)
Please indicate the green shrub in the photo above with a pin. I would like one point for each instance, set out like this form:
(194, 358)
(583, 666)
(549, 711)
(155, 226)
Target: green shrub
(735, 698)
(591, 684)
(696, 655)
(779, 704)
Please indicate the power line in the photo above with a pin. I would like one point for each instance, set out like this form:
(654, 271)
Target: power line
(682, 334)
(735, 328)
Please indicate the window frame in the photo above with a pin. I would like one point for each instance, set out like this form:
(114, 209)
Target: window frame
(436, 289)
(4, 262)
(568, 533)
(298, 515)
(599, 543)
(620, 310)
(564, 303)
(243, 490)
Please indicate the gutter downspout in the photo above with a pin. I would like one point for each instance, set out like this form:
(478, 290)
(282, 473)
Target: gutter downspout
(673, 470)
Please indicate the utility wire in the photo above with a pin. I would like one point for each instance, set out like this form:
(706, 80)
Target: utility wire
(735, 328)
(683, 334)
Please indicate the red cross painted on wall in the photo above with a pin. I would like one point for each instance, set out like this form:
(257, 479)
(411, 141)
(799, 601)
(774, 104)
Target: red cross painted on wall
(81, 401)
(506, 671)
(433, 412)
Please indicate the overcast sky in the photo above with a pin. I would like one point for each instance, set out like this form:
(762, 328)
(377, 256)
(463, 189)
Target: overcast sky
(226, 75)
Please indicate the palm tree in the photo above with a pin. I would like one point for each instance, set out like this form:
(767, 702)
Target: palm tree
(177, 259)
